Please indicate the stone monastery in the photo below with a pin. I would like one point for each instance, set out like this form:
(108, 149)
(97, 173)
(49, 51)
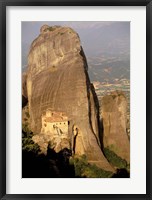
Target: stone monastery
(55, 123)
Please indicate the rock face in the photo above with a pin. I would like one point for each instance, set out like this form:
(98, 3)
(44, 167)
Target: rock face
(114, 114)
(58, 82)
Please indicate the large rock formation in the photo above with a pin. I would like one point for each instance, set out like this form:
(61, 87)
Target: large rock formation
(58, 82)
(114, 115)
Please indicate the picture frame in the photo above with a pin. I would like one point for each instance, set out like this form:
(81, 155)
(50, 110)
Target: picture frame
(4, 100)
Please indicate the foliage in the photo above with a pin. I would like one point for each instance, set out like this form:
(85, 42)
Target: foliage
(25, 128)
(51, 29)
(28, 144)
(84, 169)
(115, 159)
(27, 114)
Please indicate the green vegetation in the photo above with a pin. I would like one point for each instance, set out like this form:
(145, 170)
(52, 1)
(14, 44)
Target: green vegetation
(84, 169)
(60, 33)
(25, 128)
(50, 29)
(27, 114)
(115, 159)
(28, 144)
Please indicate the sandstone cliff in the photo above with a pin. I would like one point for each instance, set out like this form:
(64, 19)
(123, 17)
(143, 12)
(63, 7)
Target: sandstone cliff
(60, 93)
(114, 114)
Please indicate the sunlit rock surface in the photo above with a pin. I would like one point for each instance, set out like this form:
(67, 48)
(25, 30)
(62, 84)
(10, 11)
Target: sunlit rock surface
(114, 114)
(57, 81)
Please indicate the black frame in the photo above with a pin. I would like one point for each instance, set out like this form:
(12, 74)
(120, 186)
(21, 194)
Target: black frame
(3, 5)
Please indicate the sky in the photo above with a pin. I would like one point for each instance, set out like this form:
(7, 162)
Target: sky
(99, 39)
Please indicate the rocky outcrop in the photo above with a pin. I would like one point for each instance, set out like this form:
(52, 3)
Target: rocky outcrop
(114, 115)
(57, 81)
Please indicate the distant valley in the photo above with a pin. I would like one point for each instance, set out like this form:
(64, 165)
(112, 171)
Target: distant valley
(108, 69)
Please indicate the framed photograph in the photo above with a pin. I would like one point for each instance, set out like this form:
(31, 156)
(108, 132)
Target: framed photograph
(75, 99)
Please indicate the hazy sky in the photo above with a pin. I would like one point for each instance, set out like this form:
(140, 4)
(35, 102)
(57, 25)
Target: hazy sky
(101, 39)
